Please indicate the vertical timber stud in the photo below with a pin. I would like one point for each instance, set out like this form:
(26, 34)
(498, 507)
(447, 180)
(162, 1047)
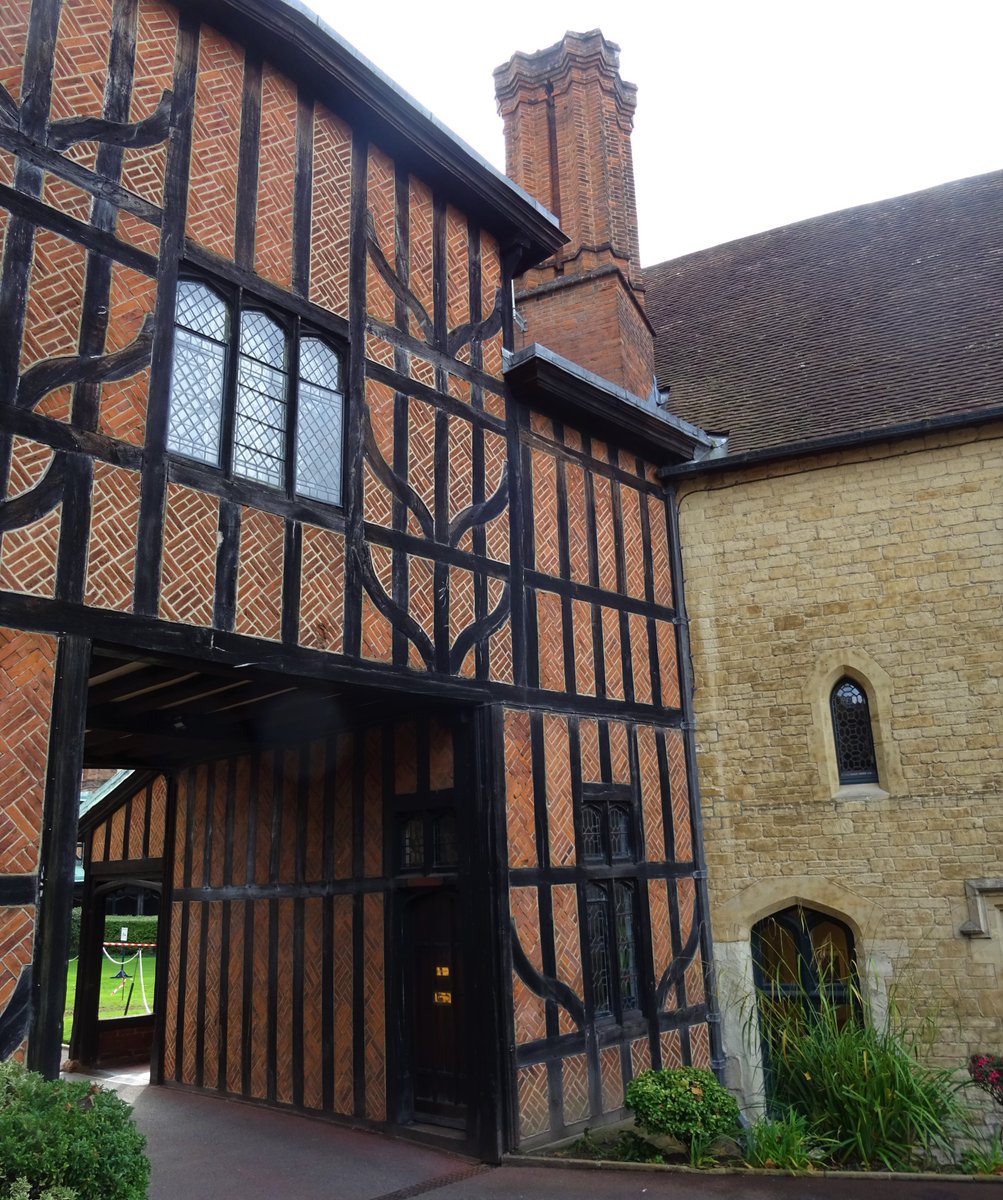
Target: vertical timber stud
(717, 1059)
(58, 856)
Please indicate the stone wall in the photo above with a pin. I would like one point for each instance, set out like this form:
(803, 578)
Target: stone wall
(885, 563)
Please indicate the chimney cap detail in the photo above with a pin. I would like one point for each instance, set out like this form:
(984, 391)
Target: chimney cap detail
(589, 52)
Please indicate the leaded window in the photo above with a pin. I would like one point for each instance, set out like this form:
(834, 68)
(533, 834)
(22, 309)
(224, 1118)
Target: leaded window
(256, 394)
(609, 849)
(427, 841)
(851, 727)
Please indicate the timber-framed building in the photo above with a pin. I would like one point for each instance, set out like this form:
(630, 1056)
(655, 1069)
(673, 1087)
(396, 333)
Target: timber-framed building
(383, 609)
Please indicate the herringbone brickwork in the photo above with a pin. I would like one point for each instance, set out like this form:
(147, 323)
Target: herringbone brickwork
(375, 1008)
(314, 953)
(549, 622)
(379, 297)
(329, 230)
(545, 514)
(29, 462)
(188, 575)
(651, 794)
(80, 67)
(440, 757)
(640, 1056)
(461, 612)
(26, 674)
(530, 1013)
(700, 1046)
(585, 660)
(567, 945)
(534, 1104)
(344, 975)
(259, 574)
(668, 663)
(143, 169)
(633, 540)
(589, 735)
(560, 804)
(55, 299)
(282, 981)
(457, 270)
(495, 460)
(421, 598)
(575, 1080)
(13, 39)
(672, 1050)
(660, 561)
(66, 197)
(612, 1079)
(28, 556)
(212, 189)
(661, 933)
(420, 213)
(619, 752)
(273, 234)
(679, 791)
(640, 649)
(606, 530)
(612, 653)
(322, 589)
(111, 551)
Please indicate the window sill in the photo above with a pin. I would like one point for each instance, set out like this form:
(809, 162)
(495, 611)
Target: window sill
(860, 791)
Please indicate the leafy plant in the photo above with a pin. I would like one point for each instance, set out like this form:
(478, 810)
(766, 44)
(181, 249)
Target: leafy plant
(625, 1146)
(783, 1143)
(985, 1158)
(986, 1071)
(686, 1102)
(862, 1088)
(21, 1189)
(67, 1140)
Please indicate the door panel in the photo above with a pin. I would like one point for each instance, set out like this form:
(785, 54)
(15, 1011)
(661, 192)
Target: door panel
(433, 981)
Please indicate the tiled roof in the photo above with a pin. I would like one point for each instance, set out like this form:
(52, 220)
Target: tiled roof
(872, 317)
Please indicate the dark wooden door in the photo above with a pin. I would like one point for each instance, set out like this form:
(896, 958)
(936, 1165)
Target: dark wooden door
(434, 1004)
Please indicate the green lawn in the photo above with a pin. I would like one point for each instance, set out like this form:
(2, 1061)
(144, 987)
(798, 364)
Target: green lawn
(113, 998)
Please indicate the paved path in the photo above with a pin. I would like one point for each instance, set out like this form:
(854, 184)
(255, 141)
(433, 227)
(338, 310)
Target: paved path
(208, 1148)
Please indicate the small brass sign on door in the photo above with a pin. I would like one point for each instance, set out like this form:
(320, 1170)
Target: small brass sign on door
(443, 997)
(442, 972)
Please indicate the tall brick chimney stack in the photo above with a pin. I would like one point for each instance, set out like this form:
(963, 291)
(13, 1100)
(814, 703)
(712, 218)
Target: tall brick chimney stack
(568, 118)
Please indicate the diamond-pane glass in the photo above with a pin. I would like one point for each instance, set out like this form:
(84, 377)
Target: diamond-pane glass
(318, 443)
(444, 848)
(851, 724)
(619, 831)
(259, 432)
(598, 925)
(625, 947)
(201, 310)
(262, 339)
(412, 843)
(320, 365)
(592, 850)
(196, 396)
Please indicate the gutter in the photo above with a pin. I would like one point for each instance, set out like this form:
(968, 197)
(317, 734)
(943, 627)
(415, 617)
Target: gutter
(868, 437)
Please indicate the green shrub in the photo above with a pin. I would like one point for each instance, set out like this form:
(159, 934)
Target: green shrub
(21, 1189)
(141, 929)
(783, 1143)
(687, 1103)
(74, 936)
(985, 1157)
(70, 1135)
(863, 1089)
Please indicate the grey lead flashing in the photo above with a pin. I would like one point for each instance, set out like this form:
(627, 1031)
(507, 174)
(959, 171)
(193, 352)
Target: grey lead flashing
(552, 372)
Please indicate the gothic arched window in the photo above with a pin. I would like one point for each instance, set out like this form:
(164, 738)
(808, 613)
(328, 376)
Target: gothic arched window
(851, 729)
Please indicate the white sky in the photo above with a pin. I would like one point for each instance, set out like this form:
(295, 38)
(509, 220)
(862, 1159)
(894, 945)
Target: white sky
(750, 115)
